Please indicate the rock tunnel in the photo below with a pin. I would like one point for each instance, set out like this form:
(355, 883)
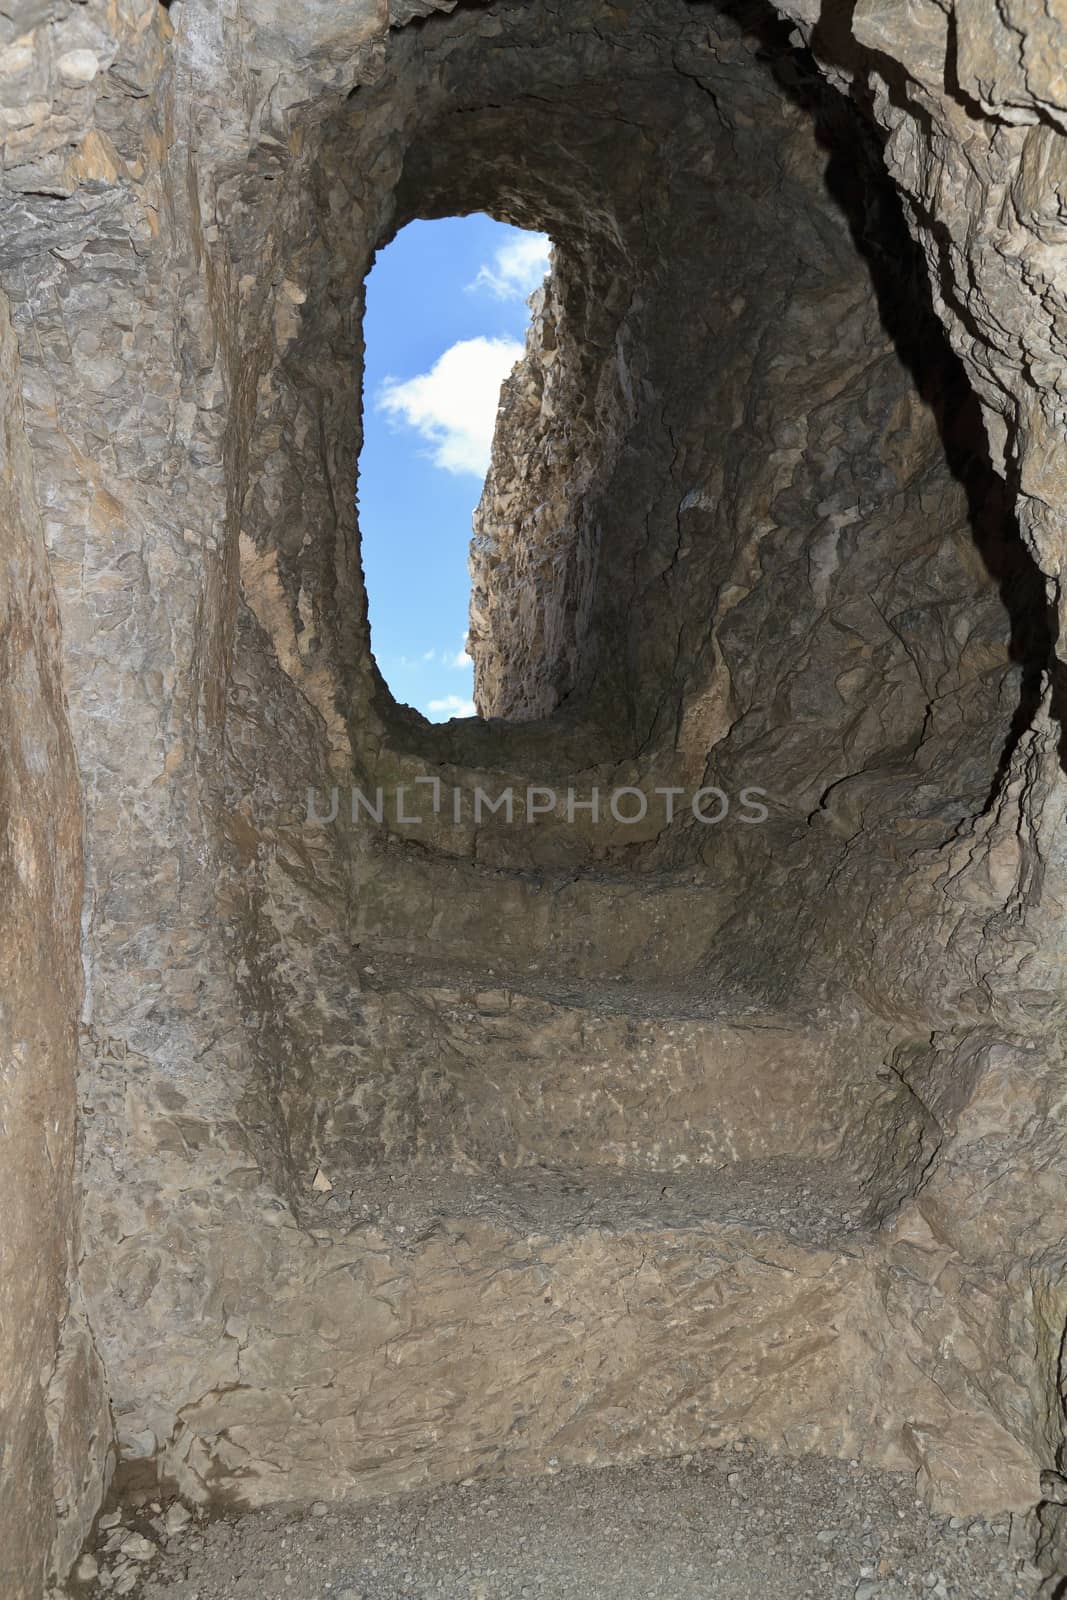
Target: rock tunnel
(669, 1060)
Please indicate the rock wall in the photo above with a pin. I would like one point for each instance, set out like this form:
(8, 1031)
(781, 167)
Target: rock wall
(746, 526)
(53, 1420)
(533, 554)
(98, 251)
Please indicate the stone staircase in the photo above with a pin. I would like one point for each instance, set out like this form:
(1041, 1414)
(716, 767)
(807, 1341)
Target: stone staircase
(551, 1200)
(432, 1325)
(546, 1214)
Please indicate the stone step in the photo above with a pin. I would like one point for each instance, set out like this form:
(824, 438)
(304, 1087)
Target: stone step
(590, 925)
(421, 1325)
(457, 1070)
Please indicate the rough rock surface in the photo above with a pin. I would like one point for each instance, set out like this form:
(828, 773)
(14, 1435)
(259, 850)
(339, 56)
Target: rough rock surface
(533, 554)
(50, 1393)
(750, 522)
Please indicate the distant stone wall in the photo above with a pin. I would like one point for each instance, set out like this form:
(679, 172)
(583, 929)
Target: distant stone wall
(533, 557)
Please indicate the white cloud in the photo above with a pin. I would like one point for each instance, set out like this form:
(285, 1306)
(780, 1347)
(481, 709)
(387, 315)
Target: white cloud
(453, 705)
(517, 268)
(461, 660)
(454, 405)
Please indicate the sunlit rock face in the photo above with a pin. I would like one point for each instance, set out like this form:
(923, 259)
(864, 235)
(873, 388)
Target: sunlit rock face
(415, 1150)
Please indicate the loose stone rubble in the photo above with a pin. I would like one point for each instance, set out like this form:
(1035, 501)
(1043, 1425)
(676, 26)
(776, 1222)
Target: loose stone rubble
(395, 1155)
(734, 1523)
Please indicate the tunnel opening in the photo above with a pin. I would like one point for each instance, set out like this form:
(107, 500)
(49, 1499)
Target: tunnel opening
(762, 545)
(628, 512)
(782, 562)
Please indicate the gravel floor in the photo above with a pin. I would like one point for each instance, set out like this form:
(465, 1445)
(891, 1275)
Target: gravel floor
(733, 1524)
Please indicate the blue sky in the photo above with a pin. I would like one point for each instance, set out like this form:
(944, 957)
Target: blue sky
(445, 320)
